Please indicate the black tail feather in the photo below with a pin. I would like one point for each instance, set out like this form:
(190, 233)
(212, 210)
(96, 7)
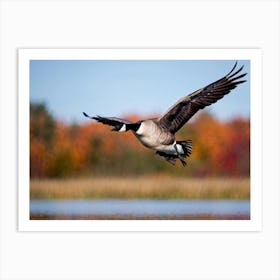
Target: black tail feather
(187, 147)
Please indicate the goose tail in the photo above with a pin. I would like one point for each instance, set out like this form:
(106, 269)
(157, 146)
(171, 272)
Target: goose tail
(186, 146)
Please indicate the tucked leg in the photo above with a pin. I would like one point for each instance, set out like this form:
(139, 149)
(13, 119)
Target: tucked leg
(171, 159)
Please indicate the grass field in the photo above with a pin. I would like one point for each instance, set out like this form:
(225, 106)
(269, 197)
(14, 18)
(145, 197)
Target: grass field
(160, 187)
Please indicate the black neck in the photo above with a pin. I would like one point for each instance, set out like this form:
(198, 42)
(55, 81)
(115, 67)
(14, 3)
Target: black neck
(133, 126)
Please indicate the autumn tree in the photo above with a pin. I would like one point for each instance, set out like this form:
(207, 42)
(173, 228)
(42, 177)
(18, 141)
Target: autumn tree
(57, 149)
(42, 131)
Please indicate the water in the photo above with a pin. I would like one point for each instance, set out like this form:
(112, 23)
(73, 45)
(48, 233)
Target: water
(140, 207)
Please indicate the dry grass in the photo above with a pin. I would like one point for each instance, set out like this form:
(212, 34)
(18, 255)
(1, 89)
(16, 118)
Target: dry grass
(141, 187)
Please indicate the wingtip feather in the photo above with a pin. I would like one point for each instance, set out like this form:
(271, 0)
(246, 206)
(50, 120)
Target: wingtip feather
(93, 118)
(232, 74)
(85, 114)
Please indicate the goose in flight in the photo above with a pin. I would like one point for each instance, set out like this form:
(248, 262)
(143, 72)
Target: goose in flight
(159, 133)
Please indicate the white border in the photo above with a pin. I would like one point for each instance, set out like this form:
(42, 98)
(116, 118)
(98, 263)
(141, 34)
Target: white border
(24, 57)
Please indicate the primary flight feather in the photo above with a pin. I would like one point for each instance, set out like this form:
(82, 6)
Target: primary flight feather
(159, 133)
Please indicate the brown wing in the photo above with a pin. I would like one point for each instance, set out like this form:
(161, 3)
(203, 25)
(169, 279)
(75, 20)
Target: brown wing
(186, 107)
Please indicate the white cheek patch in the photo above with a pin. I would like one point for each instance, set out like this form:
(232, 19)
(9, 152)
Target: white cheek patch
(123, 128)
(140, 130)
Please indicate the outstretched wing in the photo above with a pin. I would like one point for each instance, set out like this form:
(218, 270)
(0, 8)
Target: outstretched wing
(116, 122)
(186, 107)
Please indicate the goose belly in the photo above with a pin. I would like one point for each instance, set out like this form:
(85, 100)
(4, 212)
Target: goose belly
(151, 143)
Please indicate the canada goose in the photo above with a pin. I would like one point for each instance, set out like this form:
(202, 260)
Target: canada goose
(159, 133)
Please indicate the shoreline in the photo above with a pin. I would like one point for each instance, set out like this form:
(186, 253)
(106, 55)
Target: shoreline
(139, 217)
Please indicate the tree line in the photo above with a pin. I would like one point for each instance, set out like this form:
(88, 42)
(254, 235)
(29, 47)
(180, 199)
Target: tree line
(57, 149)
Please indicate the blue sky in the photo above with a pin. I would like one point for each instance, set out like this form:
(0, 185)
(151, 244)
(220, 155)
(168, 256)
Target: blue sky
(121, 87)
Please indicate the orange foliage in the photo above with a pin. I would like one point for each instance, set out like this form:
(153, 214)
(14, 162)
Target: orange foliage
(219, 148)
(38, 162)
